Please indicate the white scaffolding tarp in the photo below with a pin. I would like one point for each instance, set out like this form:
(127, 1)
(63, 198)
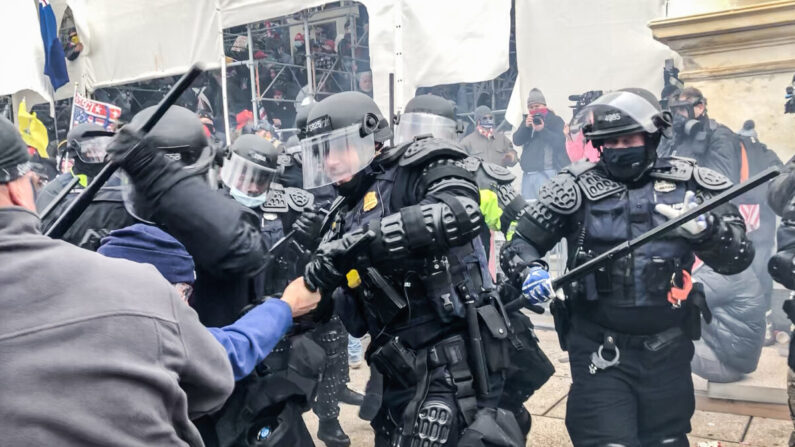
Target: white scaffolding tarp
(568, 47)
(23, 52)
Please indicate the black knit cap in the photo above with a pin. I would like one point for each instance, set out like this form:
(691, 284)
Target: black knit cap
(14, 157)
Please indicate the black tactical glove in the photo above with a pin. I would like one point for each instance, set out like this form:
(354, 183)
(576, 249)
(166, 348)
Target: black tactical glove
(326, 270)
(782, 268)
(307, 228)
(130, 151)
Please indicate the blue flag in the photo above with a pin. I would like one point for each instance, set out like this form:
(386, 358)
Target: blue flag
(54, 59)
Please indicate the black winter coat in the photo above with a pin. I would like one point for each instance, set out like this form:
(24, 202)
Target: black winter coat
(535, 145)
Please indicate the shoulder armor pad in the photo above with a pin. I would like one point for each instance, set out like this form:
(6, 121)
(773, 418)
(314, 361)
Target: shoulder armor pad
(596, 186)
(579, 167)
(427, 148)
(711, 180)
(500, 174)
(561, 194)
(391, 155)
(471, 164)
(298, 199)
(284, 160)
(678, 169)
(276, 201)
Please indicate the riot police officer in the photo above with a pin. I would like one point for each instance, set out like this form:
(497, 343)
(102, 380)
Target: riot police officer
(628, 327)
(403, 262)
(85, 149)
(431, 115)
(781, 196)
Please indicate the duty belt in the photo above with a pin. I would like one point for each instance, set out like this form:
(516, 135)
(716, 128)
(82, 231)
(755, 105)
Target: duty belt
(613, 342)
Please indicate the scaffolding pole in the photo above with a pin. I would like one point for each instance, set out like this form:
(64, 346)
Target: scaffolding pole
(252, 75)
(310, 66)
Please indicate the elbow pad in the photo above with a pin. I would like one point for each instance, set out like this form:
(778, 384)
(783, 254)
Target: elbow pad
(728, 251)
(419, 228)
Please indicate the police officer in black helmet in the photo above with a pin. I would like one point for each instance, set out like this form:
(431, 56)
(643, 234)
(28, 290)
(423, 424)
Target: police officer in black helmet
(402, 259)
(628, 327)
(431, 115)
(85, 150)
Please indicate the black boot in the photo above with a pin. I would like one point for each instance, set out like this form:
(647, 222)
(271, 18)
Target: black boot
(524, 419)
(373, 394)
(330, 432)
(350, 397)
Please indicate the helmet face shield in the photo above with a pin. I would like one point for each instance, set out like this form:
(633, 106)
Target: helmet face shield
(92, 150)
(414, 124)
(611, 106)
(246, 177)
(336, 156)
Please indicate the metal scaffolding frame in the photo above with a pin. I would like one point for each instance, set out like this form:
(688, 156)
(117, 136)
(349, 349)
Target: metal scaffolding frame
(317, 78)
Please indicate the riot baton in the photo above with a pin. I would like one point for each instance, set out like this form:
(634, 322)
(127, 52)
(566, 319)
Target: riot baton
(59, 198)
(625, 248)
(76, 208)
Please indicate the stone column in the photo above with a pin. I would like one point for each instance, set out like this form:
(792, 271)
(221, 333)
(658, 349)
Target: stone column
(742, 57)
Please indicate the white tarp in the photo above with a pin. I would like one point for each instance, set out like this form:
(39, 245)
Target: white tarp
(133, 40)
(426, 43)
(23, 52)
(567, 47)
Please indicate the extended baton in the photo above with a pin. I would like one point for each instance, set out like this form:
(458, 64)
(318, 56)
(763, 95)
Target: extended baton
(79, 205)
(625, 248)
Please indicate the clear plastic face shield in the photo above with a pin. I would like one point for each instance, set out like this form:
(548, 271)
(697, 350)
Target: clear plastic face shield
(336, 156)
(248, 178)
(414, 124)
(93, 150)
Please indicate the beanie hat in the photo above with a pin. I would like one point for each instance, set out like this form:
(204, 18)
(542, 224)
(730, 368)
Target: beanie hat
(536, 97)
(748, 129)
(14, 156)
(480, 112)
(147, 244)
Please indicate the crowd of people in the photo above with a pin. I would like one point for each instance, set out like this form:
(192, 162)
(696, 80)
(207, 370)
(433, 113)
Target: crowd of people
(212, 294)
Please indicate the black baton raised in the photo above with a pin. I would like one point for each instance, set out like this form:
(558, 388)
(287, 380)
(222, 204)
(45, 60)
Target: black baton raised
(625, 248)
(76, 208)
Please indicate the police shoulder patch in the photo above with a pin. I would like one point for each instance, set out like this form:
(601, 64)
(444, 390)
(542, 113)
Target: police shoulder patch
(595, 185)
(500, 174)
(561, 194)
(298, 199)
(284, 160)
(426, 148)
(276, 201)
(711, 180)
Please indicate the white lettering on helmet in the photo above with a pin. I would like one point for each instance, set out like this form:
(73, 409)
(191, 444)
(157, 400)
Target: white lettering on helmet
(610, 117)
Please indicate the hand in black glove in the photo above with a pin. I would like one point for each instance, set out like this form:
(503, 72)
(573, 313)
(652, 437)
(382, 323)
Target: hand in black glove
(326, 270)
(129, 150)
(782, 268)
(321, 274)
(307, 228)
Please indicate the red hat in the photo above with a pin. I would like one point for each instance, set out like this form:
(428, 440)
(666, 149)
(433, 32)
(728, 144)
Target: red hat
(243, 118)
(260, 55)
(299, 36)
(329, 43)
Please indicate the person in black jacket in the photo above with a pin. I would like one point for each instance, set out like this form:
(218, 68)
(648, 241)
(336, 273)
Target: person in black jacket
(628, 326)
(696, 136)
(543, 144)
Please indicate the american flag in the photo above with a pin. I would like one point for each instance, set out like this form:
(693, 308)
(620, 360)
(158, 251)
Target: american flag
(750, 213)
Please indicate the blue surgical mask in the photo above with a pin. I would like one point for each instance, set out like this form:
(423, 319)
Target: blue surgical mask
(487, 123)
(246, 200)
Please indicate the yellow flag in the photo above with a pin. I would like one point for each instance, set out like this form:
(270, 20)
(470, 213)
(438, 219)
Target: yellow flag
(33, 131)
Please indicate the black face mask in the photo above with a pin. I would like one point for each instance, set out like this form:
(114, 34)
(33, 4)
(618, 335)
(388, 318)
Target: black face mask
(626, 164)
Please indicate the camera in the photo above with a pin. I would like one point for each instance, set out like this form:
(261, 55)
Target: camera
(582, 100)
(537, 120)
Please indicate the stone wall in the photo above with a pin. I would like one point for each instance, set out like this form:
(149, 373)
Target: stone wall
(741, 55)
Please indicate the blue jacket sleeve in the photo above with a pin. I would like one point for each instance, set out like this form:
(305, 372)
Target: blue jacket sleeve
(250, 339)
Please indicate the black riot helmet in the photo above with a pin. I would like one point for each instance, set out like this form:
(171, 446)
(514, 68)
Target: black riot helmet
(180, 135)
(251, 166)
(300, 118)
(427, 115)
(342, 132)
(86, 143)
(626, 112)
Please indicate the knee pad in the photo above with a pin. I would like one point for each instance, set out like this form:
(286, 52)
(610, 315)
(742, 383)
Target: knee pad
(434, 424)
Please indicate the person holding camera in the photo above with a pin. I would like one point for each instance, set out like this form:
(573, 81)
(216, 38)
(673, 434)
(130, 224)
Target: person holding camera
(543, 144)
